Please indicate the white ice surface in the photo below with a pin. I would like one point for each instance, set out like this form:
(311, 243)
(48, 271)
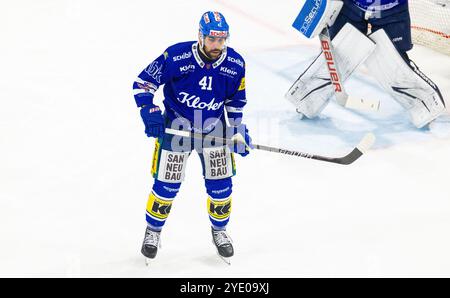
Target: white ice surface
(75, 162)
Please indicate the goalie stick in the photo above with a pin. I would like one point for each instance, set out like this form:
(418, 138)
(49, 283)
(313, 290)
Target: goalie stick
(342, 97)
(366, 142)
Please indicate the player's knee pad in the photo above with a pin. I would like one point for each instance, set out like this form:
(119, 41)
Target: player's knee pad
(313, 89)
(412, 89)
(220, 188)
(219, 201)
(159, 203)
(166, 190)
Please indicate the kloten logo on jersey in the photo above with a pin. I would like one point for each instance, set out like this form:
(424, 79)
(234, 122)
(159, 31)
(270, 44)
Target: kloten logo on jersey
(195, 102)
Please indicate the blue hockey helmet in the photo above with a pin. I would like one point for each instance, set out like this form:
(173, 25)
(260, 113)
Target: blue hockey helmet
(213, 24)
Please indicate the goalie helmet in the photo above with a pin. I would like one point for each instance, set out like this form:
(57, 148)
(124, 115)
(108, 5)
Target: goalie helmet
(213, 24)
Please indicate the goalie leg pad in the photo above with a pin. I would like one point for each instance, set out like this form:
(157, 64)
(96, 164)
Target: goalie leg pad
(312, 90)
(412, 89)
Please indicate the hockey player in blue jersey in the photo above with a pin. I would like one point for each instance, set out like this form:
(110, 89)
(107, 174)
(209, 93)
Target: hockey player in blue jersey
(204, 94)
(374, 32)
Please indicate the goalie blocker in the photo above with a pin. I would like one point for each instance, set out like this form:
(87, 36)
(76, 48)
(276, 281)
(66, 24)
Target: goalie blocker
(316, 15)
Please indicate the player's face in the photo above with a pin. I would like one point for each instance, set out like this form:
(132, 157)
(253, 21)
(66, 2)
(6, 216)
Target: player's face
(213, 46)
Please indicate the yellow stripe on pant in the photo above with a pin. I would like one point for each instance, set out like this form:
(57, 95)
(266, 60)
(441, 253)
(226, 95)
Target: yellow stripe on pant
(156, 155)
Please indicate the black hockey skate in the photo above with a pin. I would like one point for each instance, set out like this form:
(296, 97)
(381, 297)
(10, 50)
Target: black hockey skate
(223, 244)
(150, 244)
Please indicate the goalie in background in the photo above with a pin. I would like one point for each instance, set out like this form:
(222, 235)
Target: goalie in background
(372, 15)
(374, 32)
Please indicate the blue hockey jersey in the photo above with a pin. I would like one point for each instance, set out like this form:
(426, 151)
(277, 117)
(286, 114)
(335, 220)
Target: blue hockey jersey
(194, 86)
(377, 4)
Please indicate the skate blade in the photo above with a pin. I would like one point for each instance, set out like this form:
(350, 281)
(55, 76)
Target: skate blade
(226, 260)
(148, 261)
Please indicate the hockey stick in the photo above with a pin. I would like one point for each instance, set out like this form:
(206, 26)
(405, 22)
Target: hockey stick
(342, 97)
(367, 141)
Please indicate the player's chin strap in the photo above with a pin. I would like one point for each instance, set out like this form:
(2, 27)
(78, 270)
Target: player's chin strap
(366, 142)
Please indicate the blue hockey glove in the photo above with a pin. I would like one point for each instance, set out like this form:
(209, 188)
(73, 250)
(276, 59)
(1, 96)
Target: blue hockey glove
(243, 140)
(153, 120)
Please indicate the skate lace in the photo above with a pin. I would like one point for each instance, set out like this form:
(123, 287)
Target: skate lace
(222, 238)
(151, 238)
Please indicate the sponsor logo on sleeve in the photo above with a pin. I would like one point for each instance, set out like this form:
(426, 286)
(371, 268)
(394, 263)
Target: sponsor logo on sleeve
(154, 70)
(147, 86)
(242, 85)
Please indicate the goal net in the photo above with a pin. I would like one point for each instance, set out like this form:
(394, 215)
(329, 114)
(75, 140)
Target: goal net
(430, 24)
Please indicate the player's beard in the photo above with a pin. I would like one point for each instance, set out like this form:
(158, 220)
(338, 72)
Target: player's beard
(212, 54)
